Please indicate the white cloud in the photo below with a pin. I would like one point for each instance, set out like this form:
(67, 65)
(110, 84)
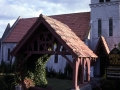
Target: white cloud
(10, 10)
(3, 25)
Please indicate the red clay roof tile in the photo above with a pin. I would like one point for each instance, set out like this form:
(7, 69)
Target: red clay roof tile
(71, 39)
(20, 29)
(78, 22)
(65, 34)
(102, 39)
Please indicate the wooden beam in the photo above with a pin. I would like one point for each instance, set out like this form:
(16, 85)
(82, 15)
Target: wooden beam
(47, 52)
(75, 74)
(82, 71)
(67, 60)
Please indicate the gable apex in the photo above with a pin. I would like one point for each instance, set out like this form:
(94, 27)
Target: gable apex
(63, 33)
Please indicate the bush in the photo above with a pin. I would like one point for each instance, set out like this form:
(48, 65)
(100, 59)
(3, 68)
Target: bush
(6, 67)
(61, 75)
(51, 72)
(7, 82)
(40, 72)
(28, 83)
(68, 71)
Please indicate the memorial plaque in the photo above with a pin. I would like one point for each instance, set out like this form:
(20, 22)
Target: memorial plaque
(113, 65)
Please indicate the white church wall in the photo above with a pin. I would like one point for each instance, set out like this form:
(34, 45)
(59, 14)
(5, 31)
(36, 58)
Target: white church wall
(97, 67)
(92, 71)
(94, 1)
(97, 1)
(4, 51)
(60, 66)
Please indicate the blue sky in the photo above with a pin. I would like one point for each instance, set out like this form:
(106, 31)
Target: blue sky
(10, 10)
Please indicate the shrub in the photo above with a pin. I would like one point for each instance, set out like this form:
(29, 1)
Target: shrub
(61, 75)
(40, 72)
(7, 82)
(6, 67)
(68, 71)
(51, 72)
(28, 83)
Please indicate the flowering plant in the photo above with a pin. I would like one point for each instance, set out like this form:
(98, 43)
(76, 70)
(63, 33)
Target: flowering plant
(28, 82)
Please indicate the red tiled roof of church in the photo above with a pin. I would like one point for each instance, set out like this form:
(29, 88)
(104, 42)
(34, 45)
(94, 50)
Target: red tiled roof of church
(20, 29)
(78, 23)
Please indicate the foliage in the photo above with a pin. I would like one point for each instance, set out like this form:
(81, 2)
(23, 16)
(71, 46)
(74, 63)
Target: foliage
(7, 78)
(28, 83)
(2, 66)
(68, 71)
(30, 75)
(118, 46)
(7, 82)
(20, 69)
(6, 67)
(50, 72)
(29, 80)
(36, 75)
(40, 72)
(61, 75)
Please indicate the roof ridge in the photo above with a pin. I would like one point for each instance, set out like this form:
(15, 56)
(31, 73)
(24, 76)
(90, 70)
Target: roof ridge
(68, 14)
(5, 32)
(29, 18)
(12, 27)
(65, 34)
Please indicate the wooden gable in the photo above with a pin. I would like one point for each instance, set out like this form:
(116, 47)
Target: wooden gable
(102, 46)
(62, 34)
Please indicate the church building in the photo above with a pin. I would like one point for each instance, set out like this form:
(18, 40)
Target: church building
(87, 36)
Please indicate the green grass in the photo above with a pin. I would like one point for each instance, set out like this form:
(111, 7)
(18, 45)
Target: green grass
(59, 84)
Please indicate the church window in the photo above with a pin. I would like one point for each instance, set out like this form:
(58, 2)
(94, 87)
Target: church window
(101, 0)
(56, 59)
(99, 27)
(8, 54)
(104, 0)
(110, 27)
(107, 0)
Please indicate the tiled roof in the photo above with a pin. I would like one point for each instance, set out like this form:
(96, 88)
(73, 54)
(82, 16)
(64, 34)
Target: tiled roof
(20, 29)
(102, 39)
(63, 33)
(105, 44)
(78, 22)
(71, 39)
(7, 30)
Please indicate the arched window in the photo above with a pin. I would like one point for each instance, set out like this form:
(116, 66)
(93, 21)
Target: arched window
(99, 27)
(8, 57)
(110, 27)
(107, 0)
(56, 59)
(101, 0)
(104, 0)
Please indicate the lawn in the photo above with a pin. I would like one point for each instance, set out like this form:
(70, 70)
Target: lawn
(59, 84)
